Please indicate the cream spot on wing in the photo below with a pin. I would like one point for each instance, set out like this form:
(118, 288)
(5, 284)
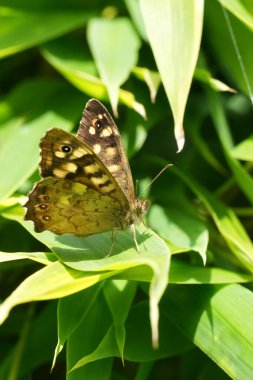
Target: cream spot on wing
(92, 130)
(59, 173)
(100, 181)
(111, 151)
(60, 154)
(70, 167)
(97, 148)
(100, 116)
(106, 132)
(78, 152)
(90, 169)
(107, 189)
(113, 168)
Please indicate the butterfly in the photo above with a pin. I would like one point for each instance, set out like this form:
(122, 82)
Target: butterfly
(87, 186)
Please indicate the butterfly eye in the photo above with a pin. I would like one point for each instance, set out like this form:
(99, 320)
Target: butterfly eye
(66, 148)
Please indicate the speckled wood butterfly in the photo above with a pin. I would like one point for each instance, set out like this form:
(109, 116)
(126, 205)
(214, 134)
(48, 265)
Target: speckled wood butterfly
(87, 185)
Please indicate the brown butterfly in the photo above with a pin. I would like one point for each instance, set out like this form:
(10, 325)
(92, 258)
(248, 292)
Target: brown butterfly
(87, 185)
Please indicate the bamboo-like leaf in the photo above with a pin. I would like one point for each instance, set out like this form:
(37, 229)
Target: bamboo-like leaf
(218, 320)
(68, 57)
(114, 62)
(120, 292)
(174, 29)
(227, 223)
(242, 9)
(28, 123)
(244, 150)
(182, 229)
(171, 343)
(23, 27)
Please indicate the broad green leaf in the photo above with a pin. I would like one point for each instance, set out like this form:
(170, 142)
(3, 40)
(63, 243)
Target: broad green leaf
(244, 150)
(172, 341)
(86, 337)
(242, 177)
(53, 281)
(179, 272)
(242, 9)
(181, 228)
(114, 64)
(68, 56)
(226, 221)
(23, 27)
(174, 29)
(119, 292)
(28, 121)
(89, 255)
(220, 40)
(218, 320)
(40, 257)
(71, 311)
(134, 10)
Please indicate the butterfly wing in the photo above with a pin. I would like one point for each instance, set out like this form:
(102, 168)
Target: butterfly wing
(64, 206)
(98, 131)
(78, 195)
(64, 156)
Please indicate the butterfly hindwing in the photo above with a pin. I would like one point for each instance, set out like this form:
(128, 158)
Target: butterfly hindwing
(64, 206)
(98, 130)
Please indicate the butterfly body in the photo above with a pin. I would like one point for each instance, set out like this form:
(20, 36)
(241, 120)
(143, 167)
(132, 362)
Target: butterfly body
(87, 186)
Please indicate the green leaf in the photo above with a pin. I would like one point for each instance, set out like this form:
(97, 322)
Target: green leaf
(183, 229)
(171, 343)
(205, 76)
(86, 337)
(71, 311)
(23, 27)
(218, 320)
(68, 56)
(133, 7)
(84, 254)
(114, 63)
(220, 40)
(28, 122)
(119, 292)
(244, 150)
(242, 9)
(152, 79)
(174, 31)
(226, 221)
(242, 177)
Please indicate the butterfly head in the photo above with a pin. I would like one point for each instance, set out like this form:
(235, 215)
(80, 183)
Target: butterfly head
(140, 209)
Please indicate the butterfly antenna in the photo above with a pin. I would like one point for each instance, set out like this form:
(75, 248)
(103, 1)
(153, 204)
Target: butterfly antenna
(153, 180)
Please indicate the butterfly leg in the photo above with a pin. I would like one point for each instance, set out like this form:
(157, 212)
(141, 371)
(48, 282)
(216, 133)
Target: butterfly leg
(132, 226)
(113, 241)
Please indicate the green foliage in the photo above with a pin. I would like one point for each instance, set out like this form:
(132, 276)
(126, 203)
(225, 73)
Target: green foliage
(128, 315)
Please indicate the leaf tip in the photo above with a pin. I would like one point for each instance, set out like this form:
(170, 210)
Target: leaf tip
(180, 138)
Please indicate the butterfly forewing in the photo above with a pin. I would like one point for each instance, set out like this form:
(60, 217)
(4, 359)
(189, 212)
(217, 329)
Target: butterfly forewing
(64, 156)
(98, 130)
